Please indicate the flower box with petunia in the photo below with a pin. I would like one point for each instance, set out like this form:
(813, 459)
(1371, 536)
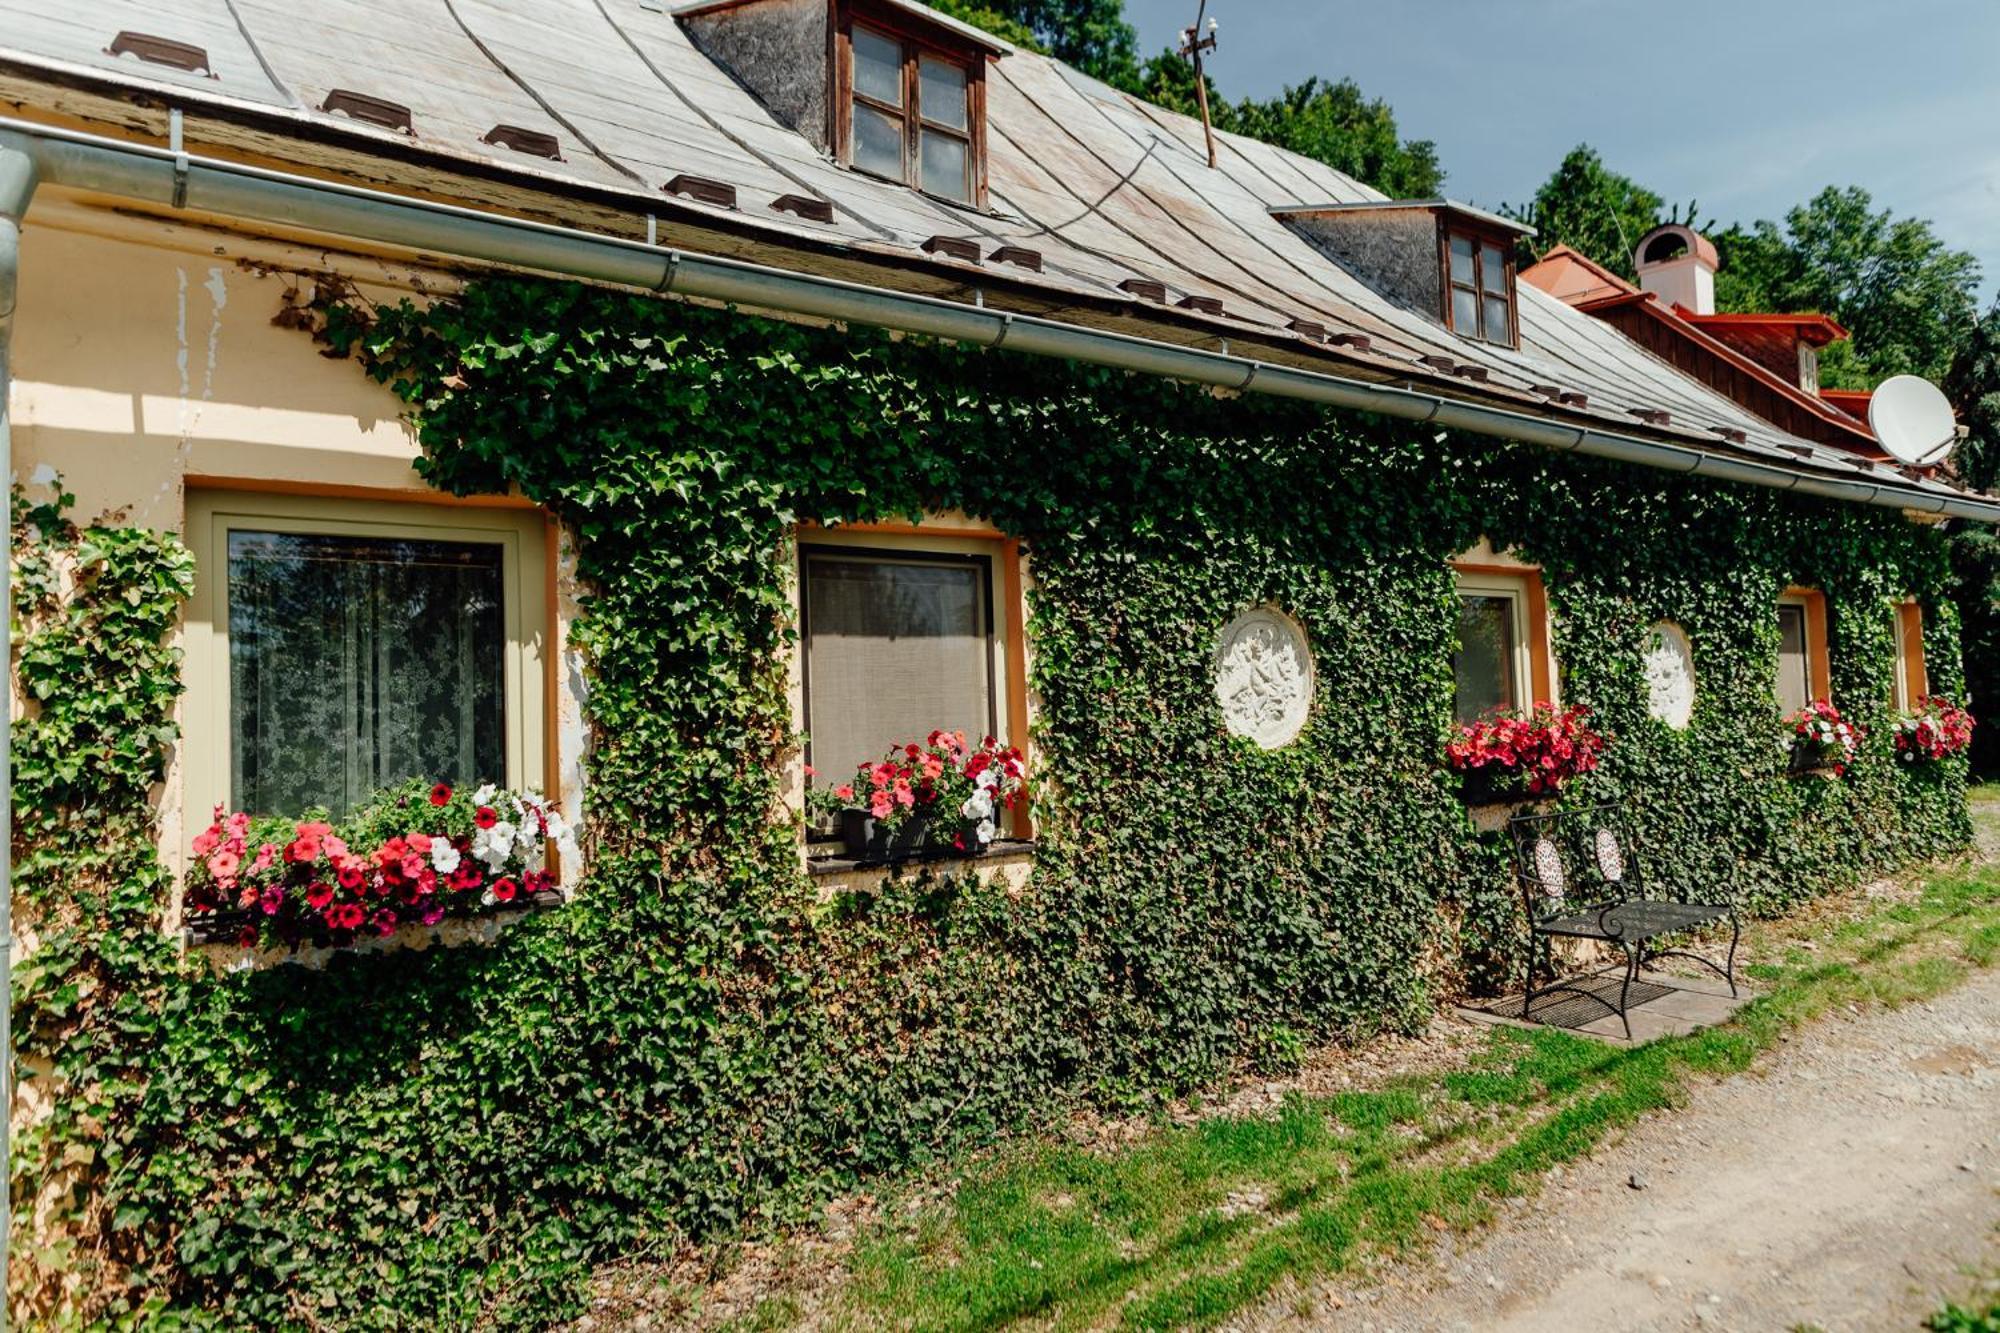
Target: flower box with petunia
(1819, 741)
(944, 796)
(1935, 729)
(410, 855)
(1508, 756)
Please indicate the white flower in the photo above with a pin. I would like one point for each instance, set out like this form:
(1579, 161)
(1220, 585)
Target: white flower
(485, 795)
(535, 859)
(988, 778)
(43, 475)
(487, 899)
(978, 806)
(987, 828)
(444, 856)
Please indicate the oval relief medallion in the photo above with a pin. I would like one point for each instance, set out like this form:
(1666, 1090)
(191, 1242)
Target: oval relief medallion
(1264, 677)
(1669, 675)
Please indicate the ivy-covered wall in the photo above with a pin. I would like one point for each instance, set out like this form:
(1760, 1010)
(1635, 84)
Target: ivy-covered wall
(698, 1043)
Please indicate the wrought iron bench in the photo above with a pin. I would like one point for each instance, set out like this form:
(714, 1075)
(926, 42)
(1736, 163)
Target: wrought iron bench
(1609, 903)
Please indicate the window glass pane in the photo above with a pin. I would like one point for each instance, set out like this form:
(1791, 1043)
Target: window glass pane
(944, 165)
(356, 662)
(878, 66)
(1794, 660)
(1496, 320)
(941, 95)
(894, 650)
(1461, 260)
(1484, 664)
(1492, 269)
(1465, 311)
(878, 142)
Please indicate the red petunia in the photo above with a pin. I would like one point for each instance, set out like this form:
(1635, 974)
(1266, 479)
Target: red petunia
(352, 872)
(504, 890)
(485, 816)
(441, 794)
(319, 893)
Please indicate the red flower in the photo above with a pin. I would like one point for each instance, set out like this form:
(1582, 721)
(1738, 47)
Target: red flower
(352, 872)
(385, 920)
(465, 877)
(318, 894)
(344, 916)
(485, 816)
(845, 791)
(441, 794)
(504, 890)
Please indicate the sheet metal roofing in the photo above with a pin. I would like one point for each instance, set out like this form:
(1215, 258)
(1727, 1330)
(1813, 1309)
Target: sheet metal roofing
(1105, 187)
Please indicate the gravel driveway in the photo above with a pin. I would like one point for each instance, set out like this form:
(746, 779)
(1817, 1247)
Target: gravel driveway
(1849, 1183)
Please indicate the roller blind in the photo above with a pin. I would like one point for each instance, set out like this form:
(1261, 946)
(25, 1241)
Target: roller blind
(895, 649)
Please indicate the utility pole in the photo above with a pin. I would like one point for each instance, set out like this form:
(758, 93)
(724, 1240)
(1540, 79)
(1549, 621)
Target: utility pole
(1193, 44)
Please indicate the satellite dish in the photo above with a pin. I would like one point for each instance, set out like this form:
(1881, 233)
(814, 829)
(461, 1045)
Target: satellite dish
(1913, 420)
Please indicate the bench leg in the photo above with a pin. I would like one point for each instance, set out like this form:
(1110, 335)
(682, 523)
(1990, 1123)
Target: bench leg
(1625, 990)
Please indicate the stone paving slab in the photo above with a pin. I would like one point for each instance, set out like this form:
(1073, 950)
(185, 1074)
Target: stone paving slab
(1689, 1005)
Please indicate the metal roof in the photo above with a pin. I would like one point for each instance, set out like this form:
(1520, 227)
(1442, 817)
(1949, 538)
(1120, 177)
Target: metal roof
(1106, 188)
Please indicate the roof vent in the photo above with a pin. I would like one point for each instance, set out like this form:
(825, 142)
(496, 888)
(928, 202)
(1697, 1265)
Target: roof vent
(1018, 255)
(1310, 329)
(955, 246)
(1358, 342)
(535, 143)
(370, 110)
(1444, 363)
(1207, 305)
(1732, 434)
(1653, 416)
(1561, 397)
(702, 190)
(1790, 447)
(1145, 289)
(161, 51)
(1477, 374)
(807, 207)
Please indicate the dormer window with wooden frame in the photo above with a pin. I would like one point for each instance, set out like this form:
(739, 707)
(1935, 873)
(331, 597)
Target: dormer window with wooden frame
(909, 105)
(1447, 261)
(892, 88)
(1479, 281)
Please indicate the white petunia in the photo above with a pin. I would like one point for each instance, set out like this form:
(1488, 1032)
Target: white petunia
(485, 795)
(987, 828)
(43, 475)
(978, 806)
(444, 856)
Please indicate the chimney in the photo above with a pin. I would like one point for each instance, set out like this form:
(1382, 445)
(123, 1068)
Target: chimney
(1677, 264)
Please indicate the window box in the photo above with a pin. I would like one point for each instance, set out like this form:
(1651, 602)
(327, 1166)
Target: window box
(1820, 743)
(865, 837)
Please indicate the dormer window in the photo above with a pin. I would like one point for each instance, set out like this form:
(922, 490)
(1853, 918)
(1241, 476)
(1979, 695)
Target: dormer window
(891, 88)
(911, 108)
(1480, 274)
(1448, 262)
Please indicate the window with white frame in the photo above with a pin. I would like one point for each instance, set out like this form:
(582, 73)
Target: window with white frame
(1493, 664)
(337, 647)
(1797, 649)
(897, 643)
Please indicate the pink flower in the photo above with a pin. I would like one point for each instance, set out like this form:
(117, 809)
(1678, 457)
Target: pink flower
(224, 865)
(881, 804)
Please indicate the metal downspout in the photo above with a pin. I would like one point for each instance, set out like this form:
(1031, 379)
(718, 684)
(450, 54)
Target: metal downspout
(17, 187)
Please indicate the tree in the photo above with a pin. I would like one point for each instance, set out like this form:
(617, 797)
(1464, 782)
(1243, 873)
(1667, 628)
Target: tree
(1593, 210)
(1091, 35)
(1974, 389)
(1335, 123)
(1905, 296)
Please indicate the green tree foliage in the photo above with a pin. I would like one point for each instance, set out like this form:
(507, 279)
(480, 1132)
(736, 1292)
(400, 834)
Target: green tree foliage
(1974, 389)
(1903, 293)
(1593, 210)
(1091, 35)
(1335, 123)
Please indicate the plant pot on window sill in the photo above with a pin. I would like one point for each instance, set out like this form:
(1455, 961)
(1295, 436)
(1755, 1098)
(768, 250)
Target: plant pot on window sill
(1492, 795)
(243, 927)
(920, 835)
(1810, 761)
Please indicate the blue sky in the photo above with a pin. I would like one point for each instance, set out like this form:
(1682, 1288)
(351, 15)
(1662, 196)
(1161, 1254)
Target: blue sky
(1746, 107)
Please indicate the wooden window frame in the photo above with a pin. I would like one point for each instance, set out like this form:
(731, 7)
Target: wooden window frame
(1006, 619)
(1523, 585)
(1819, 667)
(917, 41)
(528, 581)
(1480, 238)
(1912, 681)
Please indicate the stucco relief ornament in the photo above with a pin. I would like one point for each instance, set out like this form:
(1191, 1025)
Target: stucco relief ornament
(1669, 675)
(1264, 677)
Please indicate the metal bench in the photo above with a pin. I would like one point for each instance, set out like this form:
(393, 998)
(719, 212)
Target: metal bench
(1609, 902)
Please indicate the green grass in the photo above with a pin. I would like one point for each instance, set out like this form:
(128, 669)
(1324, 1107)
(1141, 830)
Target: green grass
(1194, 1224)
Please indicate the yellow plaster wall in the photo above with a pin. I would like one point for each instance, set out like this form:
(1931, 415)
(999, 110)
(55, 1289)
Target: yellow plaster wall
(145, 355)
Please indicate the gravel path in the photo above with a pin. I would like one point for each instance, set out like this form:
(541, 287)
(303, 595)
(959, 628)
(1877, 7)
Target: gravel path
(1849, 1183)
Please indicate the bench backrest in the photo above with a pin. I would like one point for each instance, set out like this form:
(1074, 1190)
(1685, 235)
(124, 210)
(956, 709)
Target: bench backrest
(1569, 858)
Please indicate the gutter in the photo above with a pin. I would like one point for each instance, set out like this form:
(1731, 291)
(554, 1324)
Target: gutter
(17, 187)
(172, 178)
